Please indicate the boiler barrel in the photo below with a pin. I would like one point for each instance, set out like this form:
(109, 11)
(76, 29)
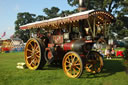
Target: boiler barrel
(74, 45)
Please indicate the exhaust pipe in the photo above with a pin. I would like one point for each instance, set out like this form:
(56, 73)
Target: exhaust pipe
(81, 5)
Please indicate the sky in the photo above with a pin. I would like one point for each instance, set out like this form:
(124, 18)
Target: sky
(10, 8)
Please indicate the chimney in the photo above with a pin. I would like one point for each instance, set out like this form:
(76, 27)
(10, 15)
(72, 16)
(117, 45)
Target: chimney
(81, 5)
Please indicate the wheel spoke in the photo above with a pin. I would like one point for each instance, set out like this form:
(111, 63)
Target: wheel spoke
(75, 70)
(36, 48)
(31, 45)
(73, 59)
(77, 61)
(32, 62)
(38, 56)
(35, 45)
(37, 52)
(77, 67)
(97, 68)
(71, 56)
(93, 69)
(29, 50)
(78, 64)
(29, 57)
(68, 60)
(68, 69)
(67, 65)
(90, 66)
(36, 61)
(71, 71)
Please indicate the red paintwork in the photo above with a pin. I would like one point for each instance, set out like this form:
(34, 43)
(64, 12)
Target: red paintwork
(23, 27)
(51, 45)
(49, 55)
(58, 39)
(82, 56)
(67, 46)
(88, 41)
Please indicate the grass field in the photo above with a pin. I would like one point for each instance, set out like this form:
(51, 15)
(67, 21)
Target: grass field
(112, 74)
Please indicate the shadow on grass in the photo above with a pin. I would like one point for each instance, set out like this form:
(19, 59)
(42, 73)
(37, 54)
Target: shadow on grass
(110, 68)
(52, 67)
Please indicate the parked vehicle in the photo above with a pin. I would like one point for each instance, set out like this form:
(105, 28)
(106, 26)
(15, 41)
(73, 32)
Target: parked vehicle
(68, 40)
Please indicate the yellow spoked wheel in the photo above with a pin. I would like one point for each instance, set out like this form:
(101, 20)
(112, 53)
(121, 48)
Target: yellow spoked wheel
(34, 51)
(72, 65)
(94, 63)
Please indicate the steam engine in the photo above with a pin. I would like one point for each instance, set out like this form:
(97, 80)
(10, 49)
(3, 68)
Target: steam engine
(60, 45)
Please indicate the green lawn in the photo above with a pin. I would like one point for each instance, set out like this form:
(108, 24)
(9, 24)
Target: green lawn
(112, 74)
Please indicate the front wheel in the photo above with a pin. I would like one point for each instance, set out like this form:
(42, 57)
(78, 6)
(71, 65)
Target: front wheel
(72, 65)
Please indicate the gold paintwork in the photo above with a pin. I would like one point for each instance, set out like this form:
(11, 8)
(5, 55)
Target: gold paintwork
(32, 54)
(72, 65)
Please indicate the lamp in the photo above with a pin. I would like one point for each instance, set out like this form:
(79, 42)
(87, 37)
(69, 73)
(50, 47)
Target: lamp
(98, 29)
(87, 30)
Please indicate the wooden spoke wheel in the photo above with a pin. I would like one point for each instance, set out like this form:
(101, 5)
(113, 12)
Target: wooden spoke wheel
(72, 65)
(94, 62)
(34, 51)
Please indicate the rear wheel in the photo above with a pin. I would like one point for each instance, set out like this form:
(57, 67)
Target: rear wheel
(72, 65)
(34, 54)
(94, 63)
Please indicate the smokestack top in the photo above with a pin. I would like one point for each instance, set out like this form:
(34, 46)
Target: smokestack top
(81, 5)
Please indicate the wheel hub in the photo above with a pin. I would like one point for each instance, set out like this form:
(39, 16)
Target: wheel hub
(33, 53)
(72, 65)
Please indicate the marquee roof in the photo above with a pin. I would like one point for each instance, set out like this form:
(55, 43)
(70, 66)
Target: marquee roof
(100, 16)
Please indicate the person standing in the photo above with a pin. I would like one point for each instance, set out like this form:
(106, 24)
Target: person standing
(108, 52)
(112, 52)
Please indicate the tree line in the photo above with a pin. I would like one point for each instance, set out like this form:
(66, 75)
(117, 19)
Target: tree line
(118, 8)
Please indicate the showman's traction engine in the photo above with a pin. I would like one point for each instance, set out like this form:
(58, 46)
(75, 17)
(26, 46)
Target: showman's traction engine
(68, 41)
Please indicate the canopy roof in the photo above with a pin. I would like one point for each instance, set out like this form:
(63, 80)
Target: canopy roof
(54, 23)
